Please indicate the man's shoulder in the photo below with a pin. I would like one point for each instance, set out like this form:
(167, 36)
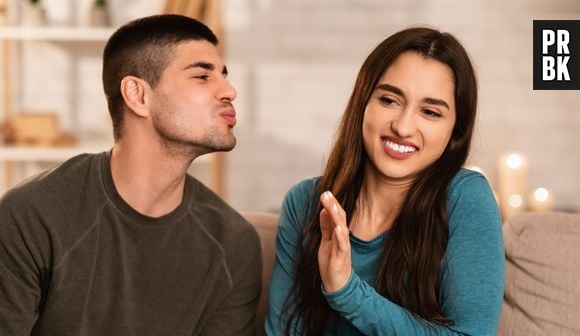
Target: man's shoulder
(54, 205)
(49, 184)
(226, 225)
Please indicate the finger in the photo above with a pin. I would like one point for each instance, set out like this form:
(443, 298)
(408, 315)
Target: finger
(337, 213)
(326, 225)
(341, 239)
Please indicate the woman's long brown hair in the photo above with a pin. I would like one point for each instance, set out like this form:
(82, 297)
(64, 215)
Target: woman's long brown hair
(417, 241)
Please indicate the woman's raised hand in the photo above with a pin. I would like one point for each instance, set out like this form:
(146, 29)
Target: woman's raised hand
(334, 252)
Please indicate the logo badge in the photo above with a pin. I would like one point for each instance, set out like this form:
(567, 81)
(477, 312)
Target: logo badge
(556, 54)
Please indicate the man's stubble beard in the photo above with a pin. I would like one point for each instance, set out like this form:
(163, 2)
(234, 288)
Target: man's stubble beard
(178, 140)
(211, 141)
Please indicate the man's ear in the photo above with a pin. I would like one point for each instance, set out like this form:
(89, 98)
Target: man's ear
(134, 91)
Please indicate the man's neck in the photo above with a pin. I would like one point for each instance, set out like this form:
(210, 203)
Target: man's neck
(149, 178)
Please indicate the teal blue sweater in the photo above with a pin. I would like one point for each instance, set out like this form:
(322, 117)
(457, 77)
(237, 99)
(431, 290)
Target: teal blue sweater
(471, 277)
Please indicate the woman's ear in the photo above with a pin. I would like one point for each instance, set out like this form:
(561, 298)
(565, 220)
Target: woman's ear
(134, 91)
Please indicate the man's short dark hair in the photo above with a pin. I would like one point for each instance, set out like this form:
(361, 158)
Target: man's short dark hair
(143, 48)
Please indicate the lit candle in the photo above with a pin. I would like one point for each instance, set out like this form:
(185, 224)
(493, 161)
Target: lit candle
(515, 201)
(3, 12)
(512, 179)
(541, 200)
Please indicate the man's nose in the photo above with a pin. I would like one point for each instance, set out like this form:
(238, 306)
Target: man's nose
(227, 91)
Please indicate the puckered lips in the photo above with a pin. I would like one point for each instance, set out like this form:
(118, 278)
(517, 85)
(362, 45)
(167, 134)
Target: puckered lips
(397, 148)
(229, 115)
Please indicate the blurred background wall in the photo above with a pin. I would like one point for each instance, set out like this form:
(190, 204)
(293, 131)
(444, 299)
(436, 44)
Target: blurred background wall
(294, 64)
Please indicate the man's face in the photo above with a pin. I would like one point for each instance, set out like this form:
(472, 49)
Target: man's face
(191, 105)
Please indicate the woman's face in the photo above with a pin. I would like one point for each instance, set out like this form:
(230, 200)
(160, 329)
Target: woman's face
(410, 116)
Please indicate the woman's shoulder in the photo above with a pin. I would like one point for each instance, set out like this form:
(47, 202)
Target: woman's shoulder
(300, 201)
(467, 180)
(303, 190)
(471, 197)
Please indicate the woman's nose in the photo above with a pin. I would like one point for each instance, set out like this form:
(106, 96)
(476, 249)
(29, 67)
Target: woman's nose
(404, 125)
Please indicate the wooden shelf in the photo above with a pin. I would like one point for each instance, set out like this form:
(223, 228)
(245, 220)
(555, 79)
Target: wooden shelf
(59, 154)
(30, 154)
(50, 154)
(56, 33)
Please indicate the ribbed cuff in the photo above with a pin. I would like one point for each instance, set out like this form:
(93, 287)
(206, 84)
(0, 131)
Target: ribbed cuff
(346, 299)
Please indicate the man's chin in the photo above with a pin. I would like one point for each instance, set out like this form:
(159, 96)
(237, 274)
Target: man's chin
(225, 145)
(225, 148)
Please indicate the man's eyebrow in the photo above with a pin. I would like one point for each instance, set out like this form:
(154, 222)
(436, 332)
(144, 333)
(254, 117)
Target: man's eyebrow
(206, 66)
(397, 91)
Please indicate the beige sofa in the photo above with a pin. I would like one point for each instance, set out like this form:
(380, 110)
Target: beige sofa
(542, 280)
(542, 292)
(265, 224)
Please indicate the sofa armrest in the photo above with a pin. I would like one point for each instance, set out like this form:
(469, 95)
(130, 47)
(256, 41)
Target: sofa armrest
(266, 225)
(542, 287)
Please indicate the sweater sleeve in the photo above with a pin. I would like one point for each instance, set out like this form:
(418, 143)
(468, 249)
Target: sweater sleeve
(471, 275)
(236, 315)
(292, 218)
(23, 266)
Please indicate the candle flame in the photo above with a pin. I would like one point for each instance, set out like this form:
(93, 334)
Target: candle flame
(541, 194)
(514, 161)
(515, 201)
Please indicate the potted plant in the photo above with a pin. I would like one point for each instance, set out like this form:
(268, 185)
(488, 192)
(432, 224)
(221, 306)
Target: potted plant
(33, 13)
(99, 15)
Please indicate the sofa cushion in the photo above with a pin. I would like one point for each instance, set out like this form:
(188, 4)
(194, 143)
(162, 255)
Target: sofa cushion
(265, 224)
(542, 284)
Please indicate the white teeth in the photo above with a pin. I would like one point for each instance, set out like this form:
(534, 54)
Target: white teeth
(399, 148)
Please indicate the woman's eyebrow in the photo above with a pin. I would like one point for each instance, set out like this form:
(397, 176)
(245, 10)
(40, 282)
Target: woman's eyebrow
(397, 91)
(390, 88)
(435, 101)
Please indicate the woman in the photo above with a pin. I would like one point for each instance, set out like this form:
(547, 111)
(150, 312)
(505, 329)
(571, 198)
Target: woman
(395, 238)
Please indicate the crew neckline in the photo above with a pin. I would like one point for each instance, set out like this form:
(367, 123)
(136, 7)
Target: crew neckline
(374, 242)
(127, 210)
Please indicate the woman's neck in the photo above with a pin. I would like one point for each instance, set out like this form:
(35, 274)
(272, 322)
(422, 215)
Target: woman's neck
(378, 204)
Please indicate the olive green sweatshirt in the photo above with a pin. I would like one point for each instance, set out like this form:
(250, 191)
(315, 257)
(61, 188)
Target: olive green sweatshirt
(76, 259)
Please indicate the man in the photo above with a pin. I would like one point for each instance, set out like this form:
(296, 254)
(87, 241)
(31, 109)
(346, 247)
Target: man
(125, 242)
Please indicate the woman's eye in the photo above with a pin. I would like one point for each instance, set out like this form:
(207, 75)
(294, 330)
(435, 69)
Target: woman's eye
(387, 101)
(431, 113)
(202, 77)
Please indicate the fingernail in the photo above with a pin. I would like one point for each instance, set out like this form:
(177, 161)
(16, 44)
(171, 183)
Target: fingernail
(339, 229)
(334, 208)
(326, 195)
